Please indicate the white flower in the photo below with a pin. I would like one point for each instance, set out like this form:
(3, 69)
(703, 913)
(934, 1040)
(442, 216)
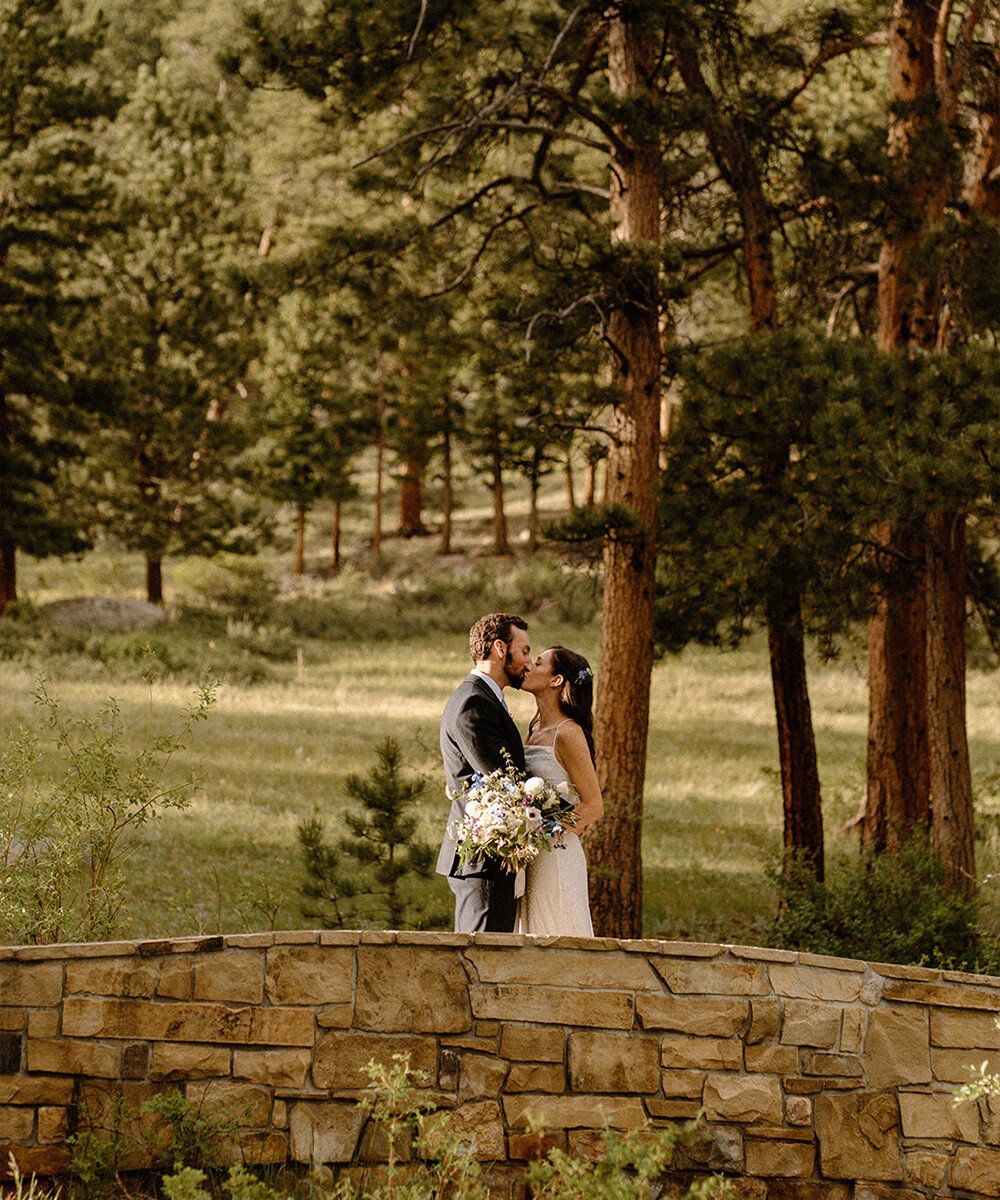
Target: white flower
(563, 788)
(533, 786)
(533, 818)
(473, 808)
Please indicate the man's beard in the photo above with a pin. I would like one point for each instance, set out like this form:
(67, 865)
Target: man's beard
(515, 680)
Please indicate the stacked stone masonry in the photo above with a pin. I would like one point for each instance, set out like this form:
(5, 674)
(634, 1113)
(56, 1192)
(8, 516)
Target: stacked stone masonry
(818, 1078)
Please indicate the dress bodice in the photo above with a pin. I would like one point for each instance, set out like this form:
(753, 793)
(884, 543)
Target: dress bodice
(542, 761)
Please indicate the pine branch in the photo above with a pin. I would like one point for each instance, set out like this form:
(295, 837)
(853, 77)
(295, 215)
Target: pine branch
(834, 50)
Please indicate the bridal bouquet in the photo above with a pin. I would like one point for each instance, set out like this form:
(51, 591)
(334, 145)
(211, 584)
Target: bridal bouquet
(511, 818)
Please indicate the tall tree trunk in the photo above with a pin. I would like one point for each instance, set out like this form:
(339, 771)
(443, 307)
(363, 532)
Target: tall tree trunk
(335, 532)
(8, 574)
(803, 812)
(897, 799)
(501, 544)
(626, 657)
(8, 548)
(379, 455)
(952, 824)
(299, 567)
(590, 484)
(534, 482)
(154, 579)
(447, 499)
(568, 476)
(411, 501)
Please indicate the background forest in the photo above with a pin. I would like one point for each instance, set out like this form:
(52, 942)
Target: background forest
(331, 325)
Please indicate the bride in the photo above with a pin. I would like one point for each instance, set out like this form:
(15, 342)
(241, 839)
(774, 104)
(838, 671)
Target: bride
(560, 747)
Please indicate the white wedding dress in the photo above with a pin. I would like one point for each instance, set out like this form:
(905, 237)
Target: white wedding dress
(555, 899)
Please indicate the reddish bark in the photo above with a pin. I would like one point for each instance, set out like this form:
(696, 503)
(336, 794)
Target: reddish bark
(154, 580)
(626, 656)
(335, 530)
(299, 566)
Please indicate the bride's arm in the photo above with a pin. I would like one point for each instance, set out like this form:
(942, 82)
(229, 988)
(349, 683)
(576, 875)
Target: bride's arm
(574, 754)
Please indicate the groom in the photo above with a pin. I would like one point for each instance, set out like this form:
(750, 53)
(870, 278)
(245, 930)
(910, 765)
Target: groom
(476, 729)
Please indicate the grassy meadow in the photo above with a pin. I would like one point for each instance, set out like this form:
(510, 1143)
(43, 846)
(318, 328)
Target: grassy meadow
(298, 711)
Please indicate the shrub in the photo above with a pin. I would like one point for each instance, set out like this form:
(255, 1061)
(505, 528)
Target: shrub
(883, 908)
(62, 847)
(230, 583)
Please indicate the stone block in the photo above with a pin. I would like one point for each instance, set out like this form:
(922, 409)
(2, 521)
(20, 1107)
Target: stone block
(843, 1066)
(11, 1018)
(134, 977)
(35, 984)
(936, 1115)
(234, 975)
(958, 1066)
(187, 1022)
(484, 1075)
(989, 1107)
(477, 1125)
(35, 1089)
(341, 1059)
(858, 1135)
(335, 1016)
(809, 1024)
(135, 1061)
(310, 974)
(897, 1047)
(60, 1057)
(946, 995)
(261, 1147)
(412, 990)
(35, 1160)
(43, 1023)
(715, 1147)
(795, 1189)
(11, 1048)
(178, 1060)
(672, 1110)
(702, 1018)
(712, 977)
(276, 1068)
(798, 1110)
(279, 1114)
(816, 983)
(608, 1062)
(532, 1043)
(324, 1131)
(536, 1077)
(925, 1167)
(956, 1028)
(555, 1006)
(765, 1017)
(243, 1103)
(701, 1054)
(852, 1030)
(687, 1084)
(885, 1191)
(774, 1159)
(574, 1112)
(531, 1147)
(53, 1125)
(976, 1169)
(175, 980)
(772, 1060)
(581, 969)
(743, 1098)
(16, 1124)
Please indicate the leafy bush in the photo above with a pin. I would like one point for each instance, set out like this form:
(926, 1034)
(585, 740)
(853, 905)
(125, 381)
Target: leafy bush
(230, 583)
(548, 588)
(62, 847)
(882, 908)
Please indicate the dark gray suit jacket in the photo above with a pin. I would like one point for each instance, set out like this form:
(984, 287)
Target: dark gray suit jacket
(475, 730)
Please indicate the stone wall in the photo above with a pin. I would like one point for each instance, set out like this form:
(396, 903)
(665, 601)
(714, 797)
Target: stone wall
(820, 1079)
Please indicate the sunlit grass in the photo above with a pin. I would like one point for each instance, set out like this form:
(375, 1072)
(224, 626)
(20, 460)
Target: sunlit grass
(275, 752)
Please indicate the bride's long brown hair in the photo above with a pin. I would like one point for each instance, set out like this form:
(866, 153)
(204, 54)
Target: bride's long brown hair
(576, 699)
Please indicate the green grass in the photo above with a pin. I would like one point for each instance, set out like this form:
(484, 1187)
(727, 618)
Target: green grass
(275, 751)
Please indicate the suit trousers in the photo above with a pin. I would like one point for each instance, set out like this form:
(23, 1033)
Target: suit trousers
(484, 903)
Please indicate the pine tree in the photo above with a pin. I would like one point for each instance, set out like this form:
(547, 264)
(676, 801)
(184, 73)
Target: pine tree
(52, 99)
(365, 876)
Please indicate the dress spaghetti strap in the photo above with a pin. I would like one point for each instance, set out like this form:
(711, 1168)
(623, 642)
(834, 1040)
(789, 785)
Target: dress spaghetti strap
(555, 735)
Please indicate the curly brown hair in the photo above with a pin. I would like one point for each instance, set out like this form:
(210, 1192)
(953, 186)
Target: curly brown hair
(491, 628)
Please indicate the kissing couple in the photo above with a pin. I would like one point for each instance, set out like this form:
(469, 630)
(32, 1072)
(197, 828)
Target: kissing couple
(478, 735)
